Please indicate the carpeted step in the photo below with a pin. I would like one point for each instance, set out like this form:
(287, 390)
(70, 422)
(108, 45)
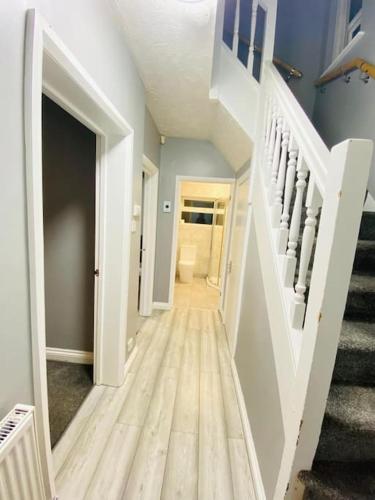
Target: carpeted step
(364, 261)
(360, 305)
(348, 430)
(367, 229)
(339, 481)
(355, 360)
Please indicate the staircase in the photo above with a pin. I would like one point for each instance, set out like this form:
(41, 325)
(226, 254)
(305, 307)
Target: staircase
(344, 465)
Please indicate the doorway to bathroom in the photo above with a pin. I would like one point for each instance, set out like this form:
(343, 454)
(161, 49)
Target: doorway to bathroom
(202, 216)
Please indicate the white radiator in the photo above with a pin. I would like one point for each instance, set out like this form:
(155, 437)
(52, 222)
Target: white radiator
(20, 469)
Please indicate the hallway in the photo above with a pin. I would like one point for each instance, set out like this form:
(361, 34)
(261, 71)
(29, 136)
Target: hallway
(173, 430)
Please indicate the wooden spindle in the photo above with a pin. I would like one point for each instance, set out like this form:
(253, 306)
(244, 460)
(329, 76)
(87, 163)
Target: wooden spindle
(295, 224)
(271, 141)
(275, 159)
(253, 23)
(278, 203)
(289, 185)
(313, 203)
(236, 28)
(268, 118)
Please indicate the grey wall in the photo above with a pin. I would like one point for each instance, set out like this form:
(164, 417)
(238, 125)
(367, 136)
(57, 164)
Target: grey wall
(179, 157)
(151, 140)
(348, 110)
(93, 33)
(69, 156)
(302, 32)
(257, 371)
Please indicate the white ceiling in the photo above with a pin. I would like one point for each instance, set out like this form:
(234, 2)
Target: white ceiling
(172, 45)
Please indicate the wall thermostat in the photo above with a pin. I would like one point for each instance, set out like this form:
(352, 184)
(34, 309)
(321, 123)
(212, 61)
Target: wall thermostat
(167, 206)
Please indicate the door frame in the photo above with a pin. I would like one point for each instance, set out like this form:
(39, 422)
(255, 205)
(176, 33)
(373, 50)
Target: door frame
(243, 178)
(176, 210)
(52, 69)
(149, 220)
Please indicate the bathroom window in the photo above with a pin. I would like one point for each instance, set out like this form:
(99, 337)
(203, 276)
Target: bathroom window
(199, 203)
(197, 218)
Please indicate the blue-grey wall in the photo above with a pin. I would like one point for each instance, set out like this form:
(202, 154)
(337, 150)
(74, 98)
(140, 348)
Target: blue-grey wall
(179, 157)
(302, 32)
(93, 33)
(348, 110)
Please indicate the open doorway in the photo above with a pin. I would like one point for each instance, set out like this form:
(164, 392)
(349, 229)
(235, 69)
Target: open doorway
(150, 179)
(201, 239)
(69, 199)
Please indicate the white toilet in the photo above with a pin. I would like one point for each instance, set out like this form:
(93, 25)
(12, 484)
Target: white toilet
(186, 263)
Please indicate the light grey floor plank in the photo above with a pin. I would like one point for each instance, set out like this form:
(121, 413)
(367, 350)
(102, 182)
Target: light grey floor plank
(215, 480)
(112, 473)
(75, 476)
(181, 472)
(240, 468)
(146, 476)
(135, 409)
(186, 412)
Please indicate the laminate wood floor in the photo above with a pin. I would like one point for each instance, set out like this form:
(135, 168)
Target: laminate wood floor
(173, 429)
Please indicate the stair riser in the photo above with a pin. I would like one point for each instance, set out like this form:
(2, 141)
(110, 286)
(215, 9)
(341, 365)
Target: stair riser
(360, 306)
(354, 367)
(337, 444)
(367, 230)
(364, 261)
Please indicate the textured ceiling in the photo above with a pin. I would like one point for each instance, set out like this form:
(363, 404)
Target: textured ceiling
(172, 45)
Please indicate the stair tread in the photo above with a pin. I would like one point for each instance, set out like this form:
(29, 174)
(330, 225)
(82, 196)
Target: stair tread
(352, 407)
(361, 283)
(358, 336)
(341, 481)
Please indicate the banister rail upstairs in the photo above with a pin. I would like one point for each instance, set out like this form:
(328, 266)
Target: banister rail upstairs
(365, 67)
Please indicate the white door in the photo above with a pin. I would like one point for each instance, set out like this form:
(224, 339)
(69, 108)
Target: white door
(232, 294)
(148, 241)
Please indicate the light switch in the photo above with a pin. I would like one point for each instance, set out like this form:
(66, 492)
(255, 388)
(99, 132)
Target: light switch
(136, 210)
(167, 206)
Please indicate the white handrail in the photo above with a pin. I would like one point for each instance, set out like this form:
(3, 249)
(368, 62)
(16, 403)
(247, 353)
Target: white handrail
(315, 151)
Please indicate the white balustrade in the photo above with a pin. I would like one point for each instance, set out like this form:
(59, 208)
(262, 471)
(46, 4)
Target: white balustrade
(313, 203)
(253, 22)
(278, 203)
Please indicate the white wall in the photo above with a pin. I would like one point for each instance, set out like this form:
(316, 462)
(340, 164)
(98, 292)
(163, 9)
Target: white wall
(152, 140)
(92, 32)
(179, 157)
(257, 371)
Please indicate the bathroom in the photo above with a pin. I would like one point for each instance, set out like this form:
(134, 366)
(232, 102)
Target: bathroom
(201, 247)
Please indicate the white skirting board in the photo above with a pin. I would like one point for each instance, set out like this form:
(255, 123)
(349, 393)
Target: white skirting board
(254, 464)
(164, 306)
(69, 356)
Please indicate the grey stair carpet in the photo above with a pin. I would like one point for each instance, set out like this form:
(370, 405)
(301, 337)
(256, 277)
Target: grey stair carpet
(68, 386)
(344, 464)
